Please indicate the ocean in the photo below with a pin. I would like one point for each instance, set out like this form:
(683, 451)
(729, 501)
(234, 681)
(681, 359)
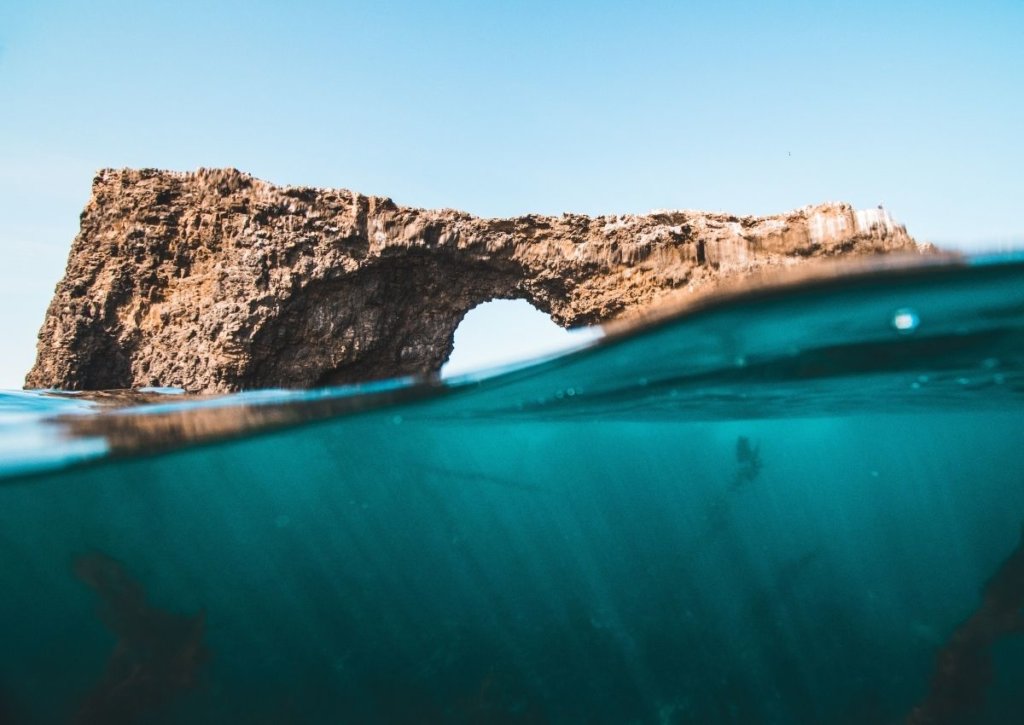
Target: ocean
(798, 506)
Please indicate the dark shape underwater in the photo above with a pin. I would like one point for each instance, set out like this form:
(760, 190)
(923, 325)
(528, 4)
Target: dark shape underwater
(158, 654)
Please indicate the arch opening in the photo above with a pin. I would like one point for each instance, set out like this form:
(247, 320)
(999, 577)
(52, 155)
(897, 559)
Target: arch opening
(506, 331)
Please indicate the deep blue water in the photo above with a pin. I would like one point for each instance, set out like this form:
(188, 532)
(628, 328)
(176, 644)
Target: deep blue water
(801, 507)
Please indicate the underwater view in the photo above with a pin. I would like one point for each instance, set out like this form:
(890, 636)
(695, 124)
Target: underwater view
(802, 504)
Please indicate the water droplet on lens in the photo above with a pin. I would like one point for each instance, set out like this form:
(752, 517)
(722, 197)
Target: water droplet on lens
(642, 382)
(999, 378)
(571, 392)
(905, 320)
(397, 420)
(990, 363)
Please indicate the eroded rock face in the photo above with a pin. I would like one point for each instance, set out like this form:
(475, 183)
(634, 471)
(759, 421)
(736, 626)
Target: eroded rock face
(215, 281)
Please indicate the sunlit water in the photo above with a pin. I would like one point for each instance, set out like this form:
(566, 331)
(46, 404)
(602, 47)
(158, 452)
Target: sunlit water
(780, 510)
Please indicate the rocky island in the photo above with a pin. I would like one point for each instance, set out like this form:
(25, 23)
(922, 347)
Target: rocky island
(215, 281)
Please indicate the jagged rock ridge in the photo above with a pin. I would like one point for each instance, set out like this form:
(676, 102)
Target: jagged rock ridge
(216, 281)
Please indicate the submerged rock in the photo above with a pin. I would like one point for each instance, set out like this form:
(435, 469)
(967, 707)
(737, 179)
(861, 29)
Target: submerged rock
(215, 281)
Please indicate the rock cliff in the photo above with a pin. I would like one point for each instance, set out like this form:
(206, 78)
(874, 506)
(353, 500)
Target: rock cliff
(216, 281)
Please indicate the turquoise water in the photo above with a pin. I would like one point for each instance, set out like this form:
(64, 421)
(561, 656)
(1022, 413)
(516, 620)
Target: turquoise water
(803, 506)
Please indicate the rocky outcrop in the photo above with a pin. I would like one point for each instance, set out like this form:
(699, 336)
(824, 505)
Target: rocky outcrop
(215, 281)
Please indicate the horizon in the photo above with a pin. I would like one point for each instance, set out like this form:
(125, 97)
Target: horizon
(593, 109)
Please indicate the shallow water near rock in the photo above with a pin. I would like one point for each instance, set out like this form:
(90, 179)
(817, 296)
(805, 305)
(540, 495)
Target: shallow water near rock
(775, 509)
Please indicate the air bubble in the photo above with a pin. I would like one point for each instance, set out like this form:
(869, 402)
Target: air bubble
(905, 320)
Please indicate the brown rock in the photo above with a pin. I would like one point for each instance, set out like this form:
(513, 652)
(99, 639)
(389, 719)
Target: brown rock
(215, 281)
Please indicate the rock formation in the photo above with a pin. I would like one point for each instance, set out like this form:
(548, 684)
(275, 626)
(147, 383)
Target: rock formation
(215, 281)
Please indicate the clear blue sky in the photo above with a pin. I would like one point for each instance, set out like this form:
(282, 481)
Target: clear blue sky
(504, 108)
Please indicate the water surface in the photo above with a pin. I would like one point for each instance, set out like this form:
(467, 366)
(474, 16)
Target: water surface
(780, 508)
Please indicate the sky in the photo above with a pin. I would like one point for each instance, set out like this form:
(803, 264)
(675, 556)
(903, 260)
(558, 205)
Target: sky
(502, 108)
(492, 335)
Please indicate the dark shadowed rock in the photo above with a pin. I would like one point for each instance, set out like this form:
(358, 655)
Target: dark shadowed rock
(215, 281)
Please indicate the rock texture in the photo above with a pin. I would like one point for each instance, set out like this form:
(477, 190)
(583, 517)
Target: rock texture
(215, 281)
